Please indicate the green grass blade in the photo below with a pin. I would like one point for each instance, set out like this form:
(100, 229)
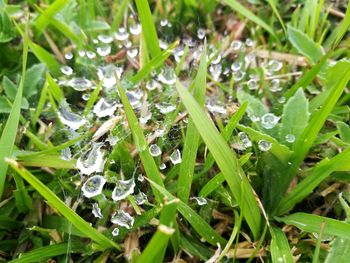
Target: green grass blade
(196, 221)
(9, 132)
(93, 97)
(44, 19)
(280, 250)
(46, 160)
(295, 116)
(272, 3)
(50, 251)
(304, 44)
(119, 15)
(148, 29)
(191, 141)
(312, 223)
(46, 57)
(155, 249)
(56, 91)
(319, 173)
(235, 5)
(141, 145)
(60, 206)
(152, 64)
(339, 251)
(225, 159)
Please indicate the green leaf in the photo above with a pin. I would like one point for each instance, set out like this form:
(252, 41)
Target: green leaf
(9, 132)
(280, 250)
(225, 159)
(312, 224)
(305, 45)
(235, 5)
(7, 32)
(148, 29)
(295, 116)
(191, 141)
(35, 74)
(255, 106)
(60, 206)
(119, 14)
(339, 251)
(50, 251)
(344, 131)
(140, 142)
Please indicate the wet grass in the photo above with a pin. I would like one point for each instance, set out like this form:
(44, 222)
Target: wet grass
(219, 132)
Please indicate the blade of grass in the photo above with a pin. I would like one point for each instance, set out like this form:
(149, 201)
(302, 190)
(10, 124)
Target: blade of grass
(148, 29)
(46, 57)
(155, 249)
(319, 173)
(9, 132)
(46, 160)
(235, 5)
(312, 223)
(56, 92)
(225, 159)
(60, 206)
(119, 15)
(50, 251)
(191, 141)
(196, 221)
(272, 3)
(280, 250)
(93, 97)
(141, 145)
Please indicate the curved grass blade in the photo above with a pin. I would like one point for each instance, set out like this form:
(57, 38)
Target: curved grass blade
(280, 250)
(148, 29)
(141, 145)
(119, 15)
(9, 132)
(191, 141)
(272, 3)
(225, 159)
(235, 5)
(46, 160)
(50, 251)
(312, 223)
(60, 206)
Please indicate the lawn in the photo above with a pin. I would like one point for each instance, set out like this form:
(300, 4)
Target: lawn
(175, 131)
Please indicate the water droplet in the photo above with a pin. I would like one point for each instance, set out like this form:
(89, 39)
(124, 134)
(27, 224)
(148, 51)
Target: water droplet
(249, 42)
(72, 120)
(163, 22)
(236, 66)
(159, 132)
(282, 100)
(162, 166)
(236, 45)
(104, 108)
(253, 84)
(115, 232)
(92, 160)
(134, 99)
(249, 58)
(122, 218)
(123, 189)
(216, 109)
(152, 85)
(244, 139)
(103, 50)
(275, 85)
(107, 74)
(273, 66)
(175, 157)
(68, 56)
(81, 53)
(269, 120)
(135, 29)
(200, 200)
(122, 34)
(132, 53)
(96, 210)
(86, 96)
(79, 84)
(201, 33)
(127, 43)
(67, 70)
(112, 139)
(167, 76)
(140, 178)
(215, 71)
(90, 54)
(264, 145)
(106, 39)
(155, 150)
(66, 154)
(290, 138)
(165, 108)
(238, 75)
(216, 60)
(144, 119)
(93, 186)
(140, 198)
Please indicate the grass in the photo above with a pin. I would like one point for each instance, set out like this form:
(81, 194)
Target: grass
(219, 131)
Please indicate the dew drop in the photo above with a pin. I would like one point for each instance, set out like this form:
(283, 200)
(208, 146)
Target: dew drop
(90, 54)
(236, 45)
(152, 85)
(107, 74)
(249, 42)
(215, 71)
(200, 200)
(122, 34)
(115, 232)
(164, 22)
(72, 120)
(132, 53)
(273, 66)
(106, 39)
(93, 186)
(165, 108)
(68, 56)
(282, 100)
(96, 210)
(144, 119)
(162, 166)
(236, 66)
(290, 138)
(81, 53)
(167, 76)
(104, 108)
(275, 85)
(67, 70)
(269, 121)
(79, 84)
(155, 150)
(123, 189)
(264, 145)
(216, 109)
(92, 160)
(140, 178)
(140, 198)
(253, 84)
(201, 33)
(244, 139)
(134, 99)
(103, 50)
(175, 157)
(66, 154)
(122, 218)
(135, 29)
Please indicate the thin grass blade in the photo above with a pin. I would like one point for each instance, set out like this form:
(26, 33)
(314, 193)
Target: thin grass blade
(280, 250)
